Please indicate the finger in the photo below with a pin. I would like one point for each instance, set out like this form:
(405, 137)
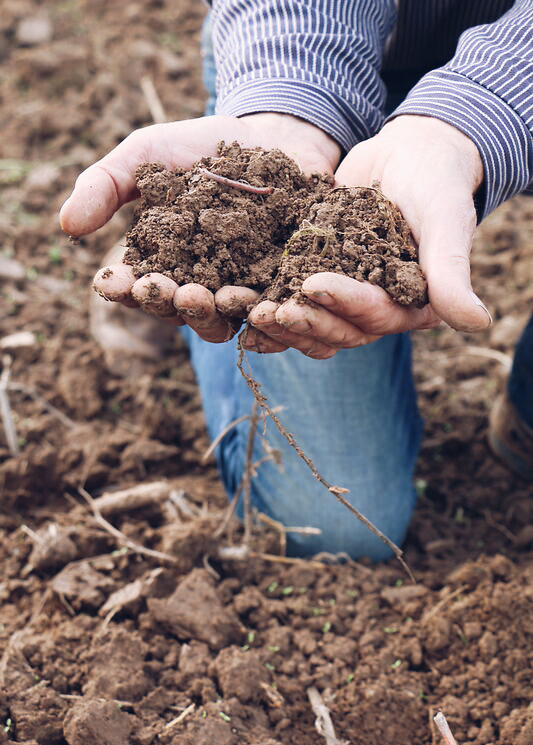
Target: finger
(254, 340)
(259, 341)
(196, 305)
(114, 282)
(235, 301)
(108, 184)
(444, 248)
(264, 318)
(321, 325)
(366, 306)
(155, 293)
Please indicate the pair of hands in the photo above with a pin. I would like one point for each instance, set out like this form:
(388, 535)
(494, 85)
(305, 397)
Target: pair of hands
(425, 166)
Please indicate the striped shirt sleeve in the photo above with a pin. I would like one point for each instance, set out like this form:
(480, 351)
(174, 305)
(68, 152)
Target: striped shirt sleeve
(485, 91)
(316, 60)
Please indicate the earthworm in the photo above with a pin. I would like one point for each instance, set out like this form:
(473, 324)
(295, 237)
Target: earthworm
(236, 184)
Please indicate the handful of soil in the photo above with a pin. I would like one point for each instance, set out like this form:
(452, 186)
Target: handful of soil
(250, 218)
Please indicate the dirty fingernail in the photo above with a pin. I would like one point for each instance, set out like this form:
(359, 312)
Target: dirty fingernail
(299, 327)
(324, 298)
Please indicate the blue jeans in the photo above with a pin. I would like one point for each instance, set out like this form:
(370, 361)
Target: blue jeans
(354, 415)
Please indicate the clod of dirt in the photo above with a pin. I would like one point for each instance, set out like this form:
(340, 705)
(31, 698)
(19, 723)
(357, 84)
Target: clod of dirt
(38, 715)
(240, 674)
(250, 218)
(194, 611)
(102, 722)
(55, 549)
(116, 668)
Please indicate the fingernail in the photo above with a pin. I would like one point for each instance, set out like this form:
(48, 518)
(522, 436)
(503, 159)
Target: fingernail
(481, 304)
(299, 327)
(323, 298)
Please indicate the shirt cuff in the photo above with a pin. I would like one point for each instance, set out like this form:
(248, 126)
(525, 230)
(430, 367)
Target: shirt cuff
(501, 136)
(348, 120)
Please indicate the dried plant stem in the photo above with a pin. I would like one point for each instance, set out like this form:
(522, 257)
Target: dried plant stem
(338, 491)
(119, 535)
(142, 495)
(5, 408)
(242, 185)
(444, 729)
(444, 601)
(323, 723)
(218, 439)
(153, 101)
(247, 485)
(36, 396)
(76, 697)
(229, 512)
(181, 717)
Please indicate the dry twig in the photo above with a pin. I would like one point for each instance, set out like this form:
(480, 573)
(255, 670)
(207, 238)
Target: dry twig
(444, 601)
(36, 396)
(247, 480)
(153, 101)
(133, 498)
(505, 360)
(444, 729)
(323, 723)
(5, 408)
(76, 697)
(218, 439)
(181, 717)
(119, 535)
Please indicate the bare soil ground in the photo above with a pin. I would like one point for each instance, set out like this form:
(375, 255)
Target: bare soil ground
(101, 642)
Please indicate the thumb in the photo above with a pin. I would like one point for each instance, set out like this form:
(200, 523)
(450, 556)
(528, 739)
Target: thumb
(98, 193)
(445, 242)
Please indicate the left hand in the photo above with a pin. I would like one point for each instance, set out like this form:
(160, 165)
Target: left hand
(431, 171)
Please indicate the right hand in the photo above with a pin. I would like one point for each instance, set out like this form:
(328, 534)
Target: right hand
(108, 184)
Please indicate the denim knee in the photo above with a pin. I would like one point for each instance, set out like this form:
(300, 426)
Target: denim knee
(355, 416)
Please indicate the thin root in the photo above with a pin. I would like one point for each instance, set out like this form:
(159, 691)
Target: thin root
(338, 492)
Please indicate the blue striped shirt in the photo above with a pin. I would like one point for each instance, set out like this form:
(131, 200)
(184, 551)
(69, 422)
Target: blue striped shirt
(333, 62)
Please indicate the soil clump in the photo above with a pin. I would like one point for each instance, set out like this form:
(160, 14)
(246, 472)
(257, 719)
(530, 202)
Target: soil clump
(250, 218)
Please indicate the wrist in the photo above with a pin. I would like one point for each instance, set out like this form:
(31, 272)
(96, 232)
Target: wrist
(423, 128)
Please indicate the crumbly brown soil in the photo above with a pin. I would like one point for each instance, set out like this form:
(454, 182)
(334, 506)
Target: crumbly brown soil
(193, 228)
(385, 655)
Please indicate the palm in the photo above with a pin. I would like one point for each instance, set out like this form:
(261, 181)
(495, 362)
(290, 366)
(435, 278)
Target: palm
(104, 187)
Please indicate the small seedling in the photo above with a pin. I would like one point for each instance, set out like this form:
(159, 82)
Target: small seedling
(396, 664)
(224, 716)
(55, 255)
(326, 627)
